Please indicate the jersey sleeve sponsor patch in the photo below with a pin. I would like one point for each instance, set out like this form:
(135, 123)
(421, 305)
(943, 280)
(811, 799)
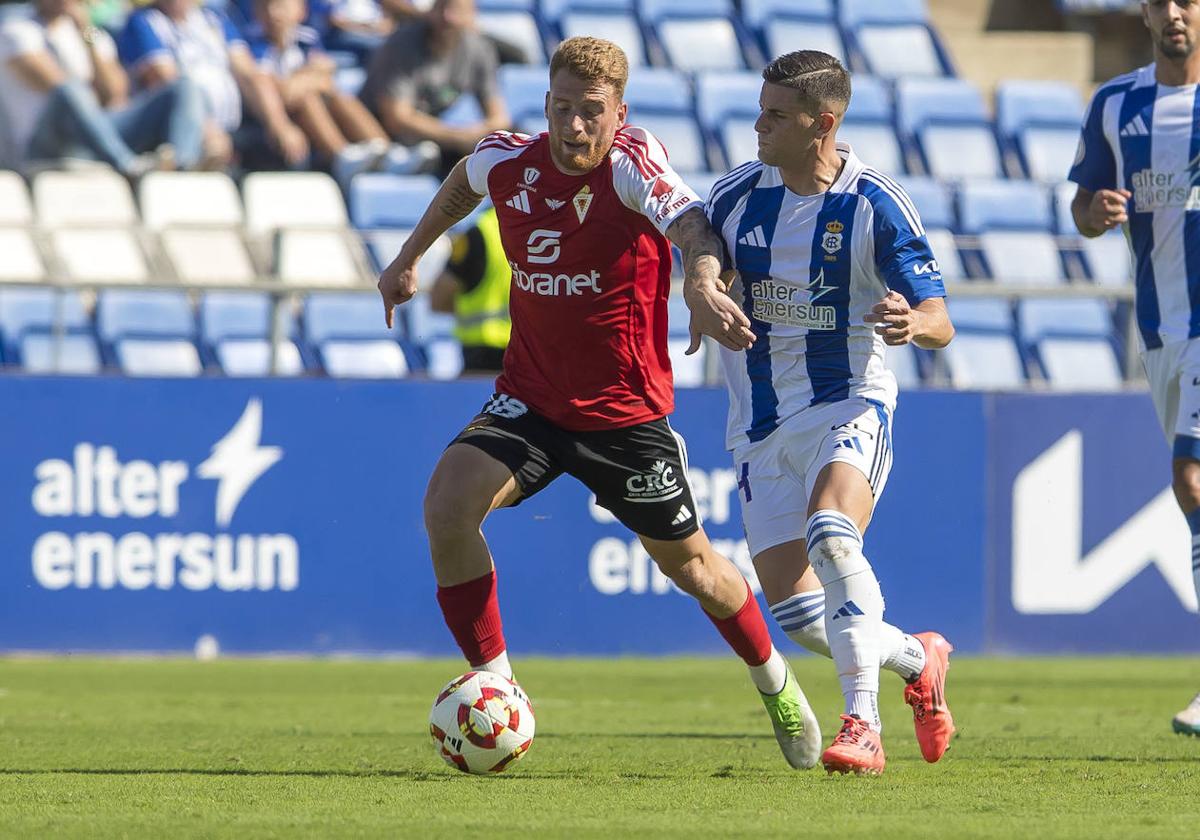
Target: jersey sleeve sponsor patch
(644, 179)
(491, 150)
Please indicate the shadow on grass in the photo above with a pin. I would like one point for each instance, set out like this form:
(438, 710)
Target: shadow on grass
(407, 775)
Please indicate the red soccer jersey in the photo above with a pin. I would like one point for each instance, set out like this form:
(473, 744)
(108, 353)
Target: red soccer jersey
(591, 274)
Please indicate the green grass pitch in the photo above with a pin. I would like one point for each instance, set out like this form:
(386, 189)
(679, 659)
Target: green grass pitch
(625, 748)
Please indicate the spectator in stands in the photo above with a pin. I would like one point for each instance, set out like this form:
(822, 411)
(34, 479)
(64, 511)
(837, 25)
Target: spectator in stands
(64, 94)
(475, 287)
(337, 124)
(423, 69)
(174, 38)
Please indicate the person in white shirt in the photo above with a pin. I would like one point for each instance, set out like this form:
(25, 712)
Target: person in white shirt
(64, 94)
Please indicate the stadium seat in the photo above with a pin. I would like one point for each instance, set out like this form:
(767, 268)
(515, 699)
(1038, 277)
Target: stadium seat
(948, 120)
(371, 359)
(984, 353)
(143, 313)
(443, 359)
(698, 35)
(678, 315)
(157, 357)
(345, 316)
(756, 13)
(680, 135)
(21, 260)
(198, 216)
(97, 197)
(984, 362)
(739, 140)
(933, 199)
(380, 200)
(15, 207)
(1017, 257)
(1038, 318)
(319, 258)
(986, 205)
(687, 371)
(783, 32)
(945, 249)
(619, 26)
(1063, 194)
(1109, 260)
(901, 50)
(720, 96)
(252, 357)
(875, 144)
(657, 89)
(1080, 364)
(1040, 121)
(171, 199)
(238, 315)
(870, 99)
(702, 182)
(856, 12)
(902, 362)
(516, 27)
(425, 326)
(276, 200)
(35, 309)
(74, 353)
(383, 245)
(524, 88)
(106, 255)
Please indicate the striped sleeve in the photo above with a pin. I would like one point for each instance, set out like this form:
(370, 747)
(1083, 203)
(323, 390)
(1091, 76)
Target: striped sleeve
(723, 198)
(1095, 166)
(645, 181)
(491, 150)
(902, 254)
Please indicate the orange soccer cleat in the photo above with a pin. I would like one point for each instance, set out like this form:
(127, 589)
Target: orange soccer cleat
(927, 696)
(856, 749)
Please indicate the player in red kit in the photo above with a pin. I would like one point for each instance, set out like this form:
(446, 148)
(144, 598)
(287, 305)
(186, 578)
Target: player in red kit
(587, 212)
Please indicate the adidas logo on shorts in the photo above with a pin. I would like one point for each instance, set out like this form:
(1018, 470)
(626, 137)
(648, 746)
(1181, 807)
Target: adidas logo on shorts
(683, 516)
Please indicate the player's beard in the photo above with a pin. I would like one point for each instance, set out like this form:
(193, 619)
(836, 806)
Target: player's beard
(1173, 49)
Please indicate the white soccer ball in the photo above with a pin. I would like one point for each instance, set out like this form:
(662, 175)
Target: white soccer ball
(481, 722)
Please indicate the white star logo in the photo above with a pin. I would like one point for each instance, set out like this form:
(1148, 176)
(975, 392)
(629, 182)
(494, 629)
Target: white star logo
(817, 287)
(237, 461)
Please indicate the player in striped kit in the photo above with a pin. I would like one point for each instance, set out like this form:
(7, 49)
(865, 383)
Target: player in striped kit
(1139, 167)
(832, 264)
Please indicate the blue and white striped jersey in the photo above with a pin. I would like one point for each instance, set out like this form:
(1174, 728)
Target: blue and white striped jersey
(811, 267)
(1144, 137)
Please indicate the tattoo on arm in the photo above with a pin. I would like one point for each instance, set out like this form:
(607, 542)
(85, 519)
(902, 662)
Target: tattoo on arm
(458, 201)
(695, 237)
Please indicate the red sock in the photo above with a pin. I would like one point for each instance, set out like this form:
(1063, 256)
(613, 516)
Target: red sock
(745, 631)
(472, 613)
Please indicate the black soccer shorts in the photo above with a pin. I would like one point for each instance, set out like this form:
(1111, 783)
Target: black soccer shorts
(639, 472)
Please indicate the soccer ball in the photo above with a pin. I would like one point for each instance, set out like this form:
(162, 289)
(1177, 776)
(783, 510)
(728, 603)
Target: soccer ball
(481, 722)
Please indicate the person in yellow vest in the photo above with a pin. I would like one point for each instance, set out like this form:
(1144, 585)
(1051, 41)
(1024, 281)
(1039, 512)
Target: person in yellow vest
(475, 287)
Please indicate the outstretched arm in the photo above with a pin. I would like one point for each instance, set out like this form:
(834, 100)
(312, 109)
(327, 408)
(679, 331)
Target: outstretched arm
(453, 202)
(714, 313)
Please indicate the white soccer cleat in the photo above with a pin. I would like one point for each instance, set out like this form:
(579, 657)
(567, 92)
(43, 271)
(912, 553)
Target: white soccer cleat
(1187, 722)
(796, 727)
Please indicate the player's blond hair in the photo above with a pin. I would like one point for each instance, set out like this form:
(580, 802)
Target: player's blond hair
(593, 60)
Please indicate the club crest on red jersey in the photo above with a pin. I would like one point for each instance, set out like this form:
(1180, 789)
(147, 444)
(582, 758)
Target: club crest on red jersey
(582, 201)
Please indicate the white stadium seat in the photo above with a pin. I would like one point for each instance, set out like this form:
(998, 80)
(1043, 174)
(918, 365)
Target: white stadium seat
(1080, 364)
(172, 199)
(252, 357)
(277, 200)
(19, 256)
(318, 258)
(93, 198)
(101, 255)
(15, 207)
(378, 359)
(158, 357)
(1023, 257)
(75, 354)
(984, 362)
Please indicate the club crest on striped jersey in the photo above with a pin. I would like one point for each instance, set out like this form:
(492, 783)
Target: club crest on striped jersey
(582, 202)
(831, 241)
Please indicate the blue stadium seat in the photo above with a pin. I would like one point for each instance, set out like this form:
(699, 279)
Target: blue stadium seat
(515, 26)
(739, 141)
(933, 199)
(784, 33)
(366, 359)
(894, 38)
(147, 313)
(698, 35)
(423, 325)
(723, 95)
(157, 357)
(1004, 205)
(949, 121)
(680, 135)
(252, 357)
(380, 200)
(657, 89)
(618, 25)
(870, 99)
(984, 353)
(77, 354)
(1080, 364)
(1073, 341)
(443, 358)
(1020, 104)
(1108, 259)
(1038, 318)
(524, 88)
(25, 310)
(853, 13)
(1063, 195)
(902, 362)
(240, 315)
(553, 10)
(875, 144)
(702, 182)
(350, 315)
(945, 249)
(756, 13)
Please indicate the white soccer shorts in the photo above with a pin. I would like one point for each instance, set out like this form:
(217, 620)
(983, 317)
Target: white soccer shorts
(1174, 374)
(776, 475)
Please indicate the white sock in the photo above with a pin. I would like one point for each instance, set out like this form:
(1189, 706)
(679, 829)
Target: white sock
(770, 677)
(498, 665)
(802, 617)
(853, 627)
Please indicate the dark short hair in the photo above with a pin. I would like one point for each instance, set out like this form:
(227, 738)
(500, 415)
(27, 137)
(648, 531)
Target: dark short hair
(819, 78)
